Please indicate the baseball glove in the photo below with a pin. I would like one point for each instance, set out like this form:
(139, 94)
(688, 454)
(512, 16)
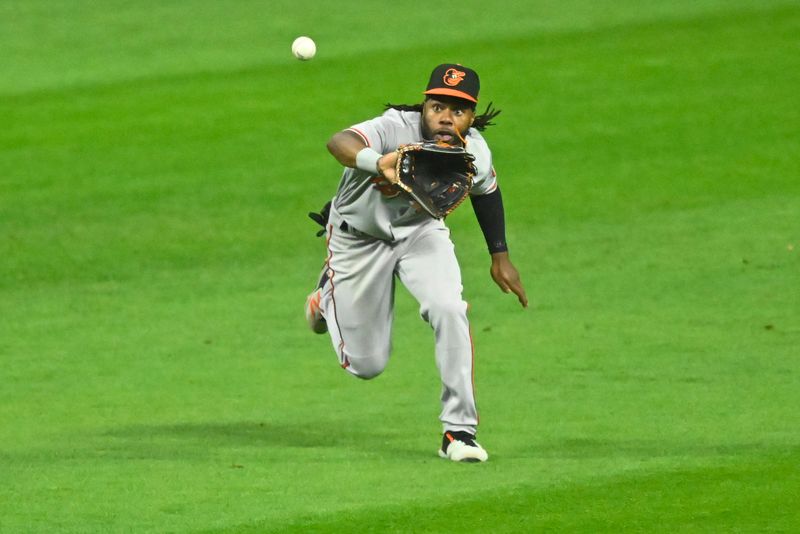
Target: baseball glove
(437, 176)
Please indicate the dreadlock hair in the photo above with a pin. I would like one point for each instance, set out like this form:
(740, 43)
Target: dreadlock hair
(481, 121)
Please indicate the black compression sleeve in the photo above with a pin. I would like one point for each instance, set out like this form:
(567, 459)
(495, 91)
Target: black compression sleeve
(491, 218)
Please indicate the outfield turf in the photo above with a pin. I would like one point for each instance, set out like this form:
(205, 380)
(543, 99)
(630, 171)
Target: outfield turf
(158, 159)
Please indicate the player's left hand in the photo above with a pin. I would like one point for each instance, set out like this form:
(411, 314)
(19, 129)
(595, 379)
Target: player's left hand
(506, 276)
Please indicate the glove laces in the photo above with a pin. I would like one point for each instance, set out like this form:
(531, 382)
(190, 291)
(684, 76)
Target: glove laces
(463, 141)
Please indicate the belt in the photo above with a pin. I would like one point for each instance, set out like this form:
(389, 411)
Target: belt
(352, 230)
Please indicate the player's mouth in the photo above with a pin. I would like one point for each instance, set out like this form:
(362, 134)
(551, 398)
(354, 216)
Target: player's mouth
(444, 136)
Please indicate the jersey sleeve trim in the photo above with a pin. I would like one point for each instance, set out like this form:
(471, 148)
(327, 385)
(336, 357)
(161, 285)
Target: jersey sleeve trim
(492, 188)
(362, 135)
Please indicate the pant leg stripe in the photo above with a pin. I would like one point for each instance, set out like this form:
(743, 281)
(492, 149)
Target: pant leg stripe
(472, 364)
(342, 358)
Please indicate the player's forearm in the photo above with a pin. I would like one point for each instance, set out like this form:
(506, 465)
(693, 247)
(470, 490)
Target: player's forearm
(491, 218)
(350, 150)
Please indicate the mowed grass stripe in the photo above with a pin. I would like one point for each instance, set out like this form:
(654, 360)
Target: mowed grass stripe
(743, 494)
(52, 45)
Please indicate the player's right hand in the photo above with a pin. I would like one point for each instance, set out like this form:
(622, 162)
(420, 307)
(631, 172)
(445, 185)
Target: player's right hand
(387, 165)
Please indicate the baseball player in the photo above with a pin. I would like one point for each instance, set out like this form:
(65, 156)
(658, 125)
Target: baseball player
(376, 234)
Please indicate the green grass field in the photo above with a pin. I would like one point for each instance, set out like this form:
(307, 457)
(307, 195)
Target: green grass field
(158, 159)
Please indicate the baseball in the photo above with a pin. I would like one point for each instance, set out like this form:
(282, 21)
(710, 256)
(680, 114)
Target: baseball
(304, 48)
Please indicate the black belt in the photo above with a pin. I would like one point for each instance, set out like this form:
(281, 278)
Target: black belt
(351, 230)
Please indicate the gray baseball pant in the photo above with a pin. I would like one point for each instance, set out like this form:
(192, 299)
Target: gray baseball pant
(358, 305)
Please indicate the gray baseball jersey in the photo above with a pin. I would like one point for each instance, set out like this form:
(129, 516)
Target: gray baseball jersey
(377, 208)
(374, 234)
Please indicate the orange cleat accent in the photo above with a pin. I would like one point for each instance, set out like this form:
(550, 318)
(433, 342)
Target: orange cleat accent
(316, 322)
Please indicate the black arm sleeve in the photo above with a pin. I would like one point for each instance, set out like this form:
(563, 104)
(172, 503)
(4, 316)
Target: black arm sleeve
(491, 218)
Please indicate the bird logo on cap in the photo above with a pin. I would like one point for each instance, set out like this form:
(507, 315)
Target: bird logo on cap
(453, 77)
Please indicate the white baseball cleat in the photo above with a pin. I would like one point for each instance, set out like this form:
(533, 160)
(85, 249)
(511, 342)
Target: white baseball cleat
(314, 314)
(462, 447)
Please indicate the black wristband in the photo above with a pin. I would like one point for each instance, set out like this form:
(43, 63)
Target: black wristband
(491, 218)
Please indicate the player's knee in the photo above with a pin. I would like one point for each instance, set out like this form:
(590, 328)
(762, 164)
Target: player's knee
(365, 367)
(443, 310)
